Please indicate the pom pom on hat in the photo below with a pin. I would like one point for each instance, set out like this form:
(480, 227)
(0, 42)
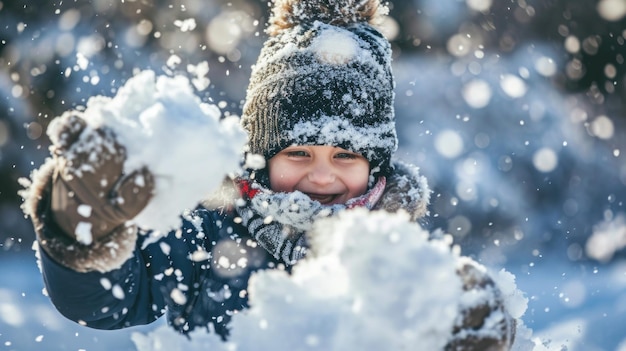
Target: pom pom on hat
(290, 13)
(323, 78)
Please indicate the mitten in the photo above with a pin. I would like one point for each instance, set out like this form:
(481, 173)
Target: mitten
(484, 323)
(91, 196)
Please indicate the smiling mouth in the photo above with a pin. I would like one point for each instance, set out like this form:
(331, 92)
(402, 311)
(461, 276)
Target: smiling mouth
(323, 199)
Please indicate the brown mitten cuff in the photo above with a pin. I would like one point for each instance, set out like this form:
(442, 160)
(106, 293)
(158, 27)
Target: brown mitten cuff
(106, 254)
(484, 323)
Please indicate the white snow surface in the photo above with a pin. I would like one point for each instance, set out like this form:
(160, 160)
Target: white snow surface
(336, 46)
(165, 127)
(374, 281)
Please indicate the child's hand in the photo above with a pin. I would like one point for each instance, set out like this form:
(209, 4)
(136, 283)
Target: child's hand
(484, 324)
(90, 194)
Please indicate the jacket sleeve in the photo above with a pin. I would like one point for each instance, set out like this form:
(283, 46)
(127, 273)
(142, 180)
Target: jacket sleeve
(109, 300)
(160, 273)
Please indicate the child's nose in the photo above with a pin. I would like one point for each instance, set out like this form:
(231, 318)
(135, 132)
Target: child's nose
(321, 174)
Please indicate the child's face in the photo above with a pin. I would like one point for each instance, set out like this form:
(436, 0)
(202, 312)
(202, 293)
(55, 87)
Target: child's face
(330, 175)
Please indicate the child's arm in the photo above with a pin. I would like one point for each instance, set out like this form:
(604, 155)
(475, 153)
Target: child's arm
(120, 278)
(157, 276)
(79, 202)
(110, 300)
(181, 272)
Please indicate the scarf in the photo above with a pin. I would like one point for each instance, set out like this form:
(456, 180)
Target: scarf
(279, 221)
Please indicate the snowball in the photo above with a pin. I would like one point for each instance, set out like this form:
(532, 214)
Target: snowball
(181, 140)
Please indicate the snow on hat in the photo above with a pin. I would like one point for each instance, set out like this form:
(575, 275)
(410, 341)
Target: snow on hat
(323, 78)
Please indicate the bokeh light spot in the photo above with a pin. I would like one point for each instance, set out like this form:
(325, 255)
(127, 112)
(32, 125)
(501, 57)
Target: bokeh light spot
(477, 93)
(545, 160)
(449, 144)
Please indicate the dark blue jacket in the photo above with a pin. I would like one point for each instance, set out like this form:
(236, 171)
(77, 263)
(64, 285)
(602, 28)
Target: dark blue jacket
(198, 274)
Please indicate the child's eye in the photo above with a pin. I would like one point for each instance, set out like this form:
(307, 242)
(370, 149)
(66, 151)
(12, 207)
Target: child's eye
(346, 155)
(297, 153)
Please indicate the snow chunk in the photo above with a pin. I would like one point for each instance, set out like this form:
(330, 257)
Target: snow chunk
(106, 283)
(178, 296)
(200, 80)
(83, 233)
(515, 301)
(254, 161)
(84, 210)
(186, 25)
(118, 292)
(181, 140)
(372, 281)
(81, 61)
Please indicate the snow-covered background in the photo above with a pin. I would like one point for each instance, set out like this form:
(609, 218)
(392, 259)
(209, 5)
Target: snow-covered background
(515, 111)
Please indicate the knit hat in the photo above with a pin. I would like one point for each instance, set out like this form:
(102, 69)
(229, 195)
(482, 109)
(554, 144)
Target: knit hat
(323, 78)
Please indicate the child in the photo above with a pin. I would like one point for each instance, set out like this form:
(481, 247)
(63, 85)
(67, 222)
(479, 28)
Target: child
(319, 109)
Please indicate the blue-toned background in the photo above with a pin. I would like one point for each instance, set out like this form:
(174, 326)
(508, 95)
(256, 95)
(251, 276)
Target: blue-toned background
(515, 111)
